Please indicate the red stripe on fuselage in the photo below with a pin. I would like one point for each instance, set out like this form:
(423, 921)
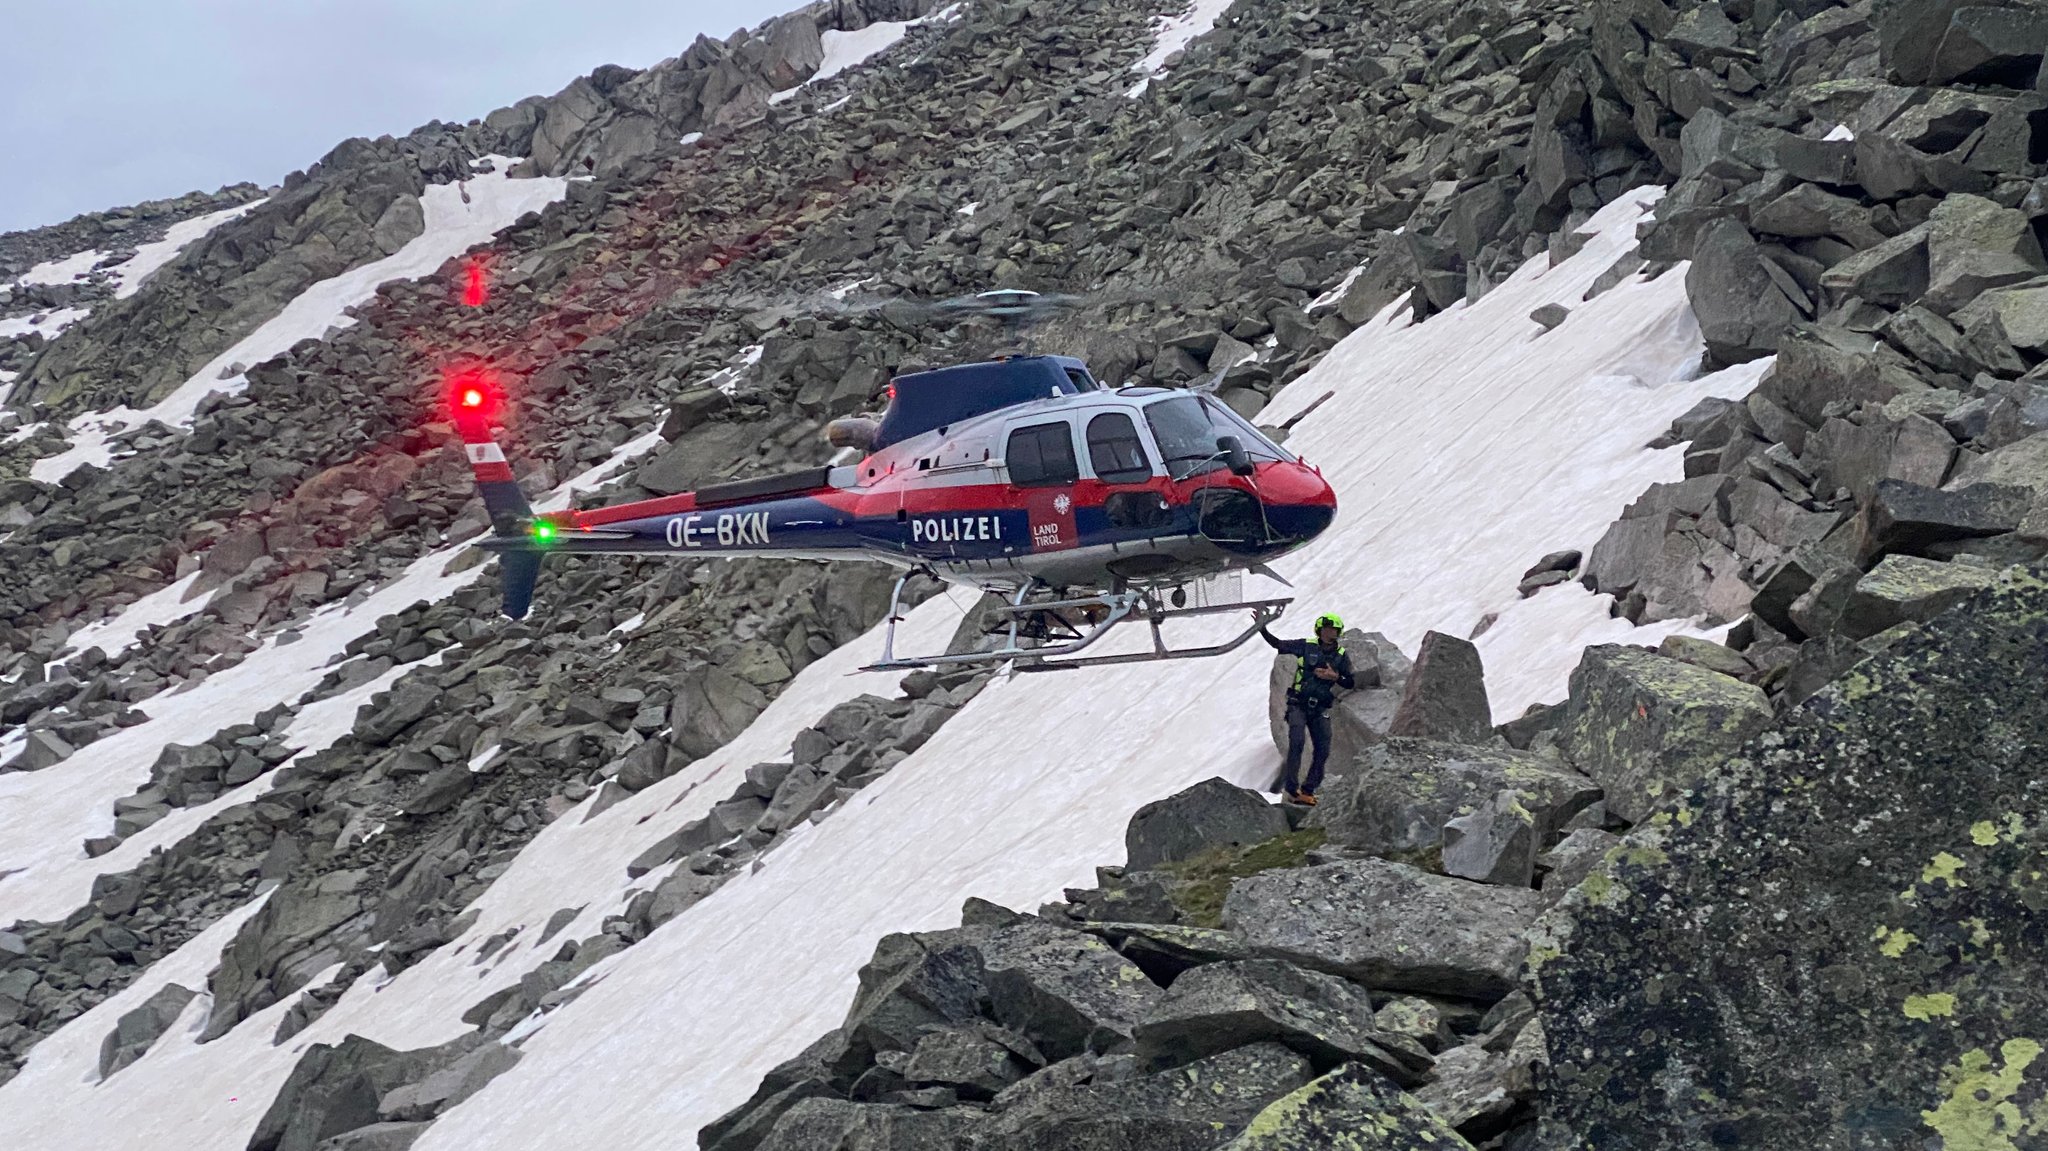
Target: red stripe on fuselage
(1287, 483)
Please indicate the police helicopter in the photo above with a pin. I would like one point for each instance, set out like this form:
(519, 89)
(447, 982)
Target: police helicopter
(1085, 507)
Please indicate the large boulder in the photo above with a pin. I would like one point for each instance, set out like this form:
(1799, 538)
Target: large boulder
(1742, 311)
(1212, 814)
(1908, 517)
(1387, 925)
(1397, 797)
(1351, 1107)
(1644, 727)
(1445, 696)
(336, 1089)
(913, 983)
(138, 1029)
(1065, 991)
(1841, 931)
(1973, 245)
(1225, 1005)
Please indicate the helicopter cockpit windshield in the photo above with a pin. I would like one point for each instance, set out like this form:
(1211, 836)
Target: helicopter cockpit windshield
(1187, 427)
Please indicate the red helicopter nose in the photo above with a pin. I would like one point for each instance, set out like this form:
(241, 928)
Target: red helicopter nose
(1299, 502)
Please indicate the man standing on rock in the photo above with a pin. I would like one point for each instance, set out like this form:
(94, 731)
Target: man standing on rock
(1323, 667)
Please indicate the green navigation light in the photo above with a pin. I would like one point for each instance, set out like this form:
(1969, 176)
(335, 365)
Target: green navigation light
(543, 533)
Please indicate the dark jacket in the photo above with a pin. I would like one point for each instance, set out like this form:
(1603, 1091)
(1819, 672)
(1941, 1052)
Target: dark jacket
(1309, 690)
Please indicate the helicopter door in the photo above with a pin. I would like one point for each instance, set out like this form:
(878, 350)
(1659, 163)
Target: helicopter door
(1042, 474)
(1117, 456)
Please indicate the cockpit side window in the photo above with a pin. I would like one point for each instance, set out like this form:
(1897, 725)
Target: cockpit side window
(1081, 380)
(1187, 427)
(1114, 450)
(1042, 455)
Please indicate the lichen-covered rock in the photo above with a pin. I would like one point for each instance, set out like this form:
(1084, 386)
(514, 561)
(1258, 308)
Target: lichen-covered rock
(1837, 939)
(1351, 1109)
(1398, 795)
(1644, 727)
(1387, 925)
(1908, 589)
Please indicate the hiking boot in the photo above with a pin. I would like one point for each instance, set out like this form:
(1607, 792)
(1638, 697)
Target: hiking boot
(1291, 797)
(1305, 799)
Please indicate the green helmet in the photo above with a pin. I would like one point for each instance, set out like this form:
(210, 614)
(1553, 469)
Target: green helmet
(1329, 619)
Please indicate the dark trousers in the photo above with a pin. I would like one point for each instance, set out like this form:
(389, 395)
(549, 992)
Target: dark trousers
(1314, 723)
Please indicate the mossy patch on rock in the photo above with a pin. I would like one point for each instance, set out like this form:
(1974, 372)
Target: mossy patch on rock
(1203, 882)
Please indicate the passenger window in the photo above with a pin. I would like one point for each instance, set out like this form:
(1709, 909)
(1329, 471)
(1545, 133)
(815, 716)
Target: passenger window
(1115, 451)
(1041, 456)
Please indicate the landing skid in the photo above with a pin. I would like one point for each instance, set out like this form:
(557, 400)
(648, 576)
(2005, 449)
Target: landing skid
(1044, 635)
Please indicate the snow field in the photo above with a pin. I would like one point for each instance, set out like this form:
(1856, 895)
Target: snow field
(452, 228)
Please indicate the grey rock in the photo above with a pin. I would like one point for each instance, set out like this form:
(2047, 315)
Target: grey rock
(1183, 1109)
(1645, 727)
(1974, 245)
(1741, 309)
(1445, 695)
(646, 765)
(1574, 858)
(1907, 517)
(971, 1062)
(1065, 991)
(1397, 797)
(1211, 814)
(1387, 925)
(1496, 843)
(140, 1028)
(447, 1086)
(1908, 589)
(1476, 1087)
(1889, 274)
(1226, 1005)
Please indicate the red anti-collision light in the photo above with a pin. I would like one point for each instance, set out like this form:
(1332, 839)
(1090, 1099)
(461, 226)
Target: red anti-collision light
(472, 397)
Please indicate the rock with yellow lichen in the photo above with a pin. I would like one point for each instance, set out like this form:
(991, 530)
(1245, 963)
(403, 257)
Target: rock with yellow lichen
(1351, 1109)
(1840, 938)
(1645, 727)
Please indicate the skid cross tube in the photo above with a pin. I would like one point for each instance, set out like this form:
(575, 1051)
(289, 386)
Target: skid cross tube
(1121, 607)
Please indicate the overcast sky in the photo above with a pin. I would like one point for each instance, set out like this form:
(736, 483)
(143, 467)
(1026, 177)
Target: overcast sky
(109, 102)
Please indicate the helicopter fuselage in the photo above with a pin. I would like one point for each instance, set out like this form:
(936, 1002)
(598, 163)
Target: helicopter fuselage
(1093, 488)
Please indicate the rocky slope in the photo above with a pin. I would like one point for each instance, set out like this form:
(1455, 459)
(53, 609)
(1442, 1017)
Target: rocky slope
(1887, 470)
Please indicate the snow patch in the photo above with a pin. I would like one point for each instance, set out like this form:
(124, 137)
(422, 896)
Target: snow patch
(65, 270)
(123, 630)
(1172, 34)
(1337, 293)
(150, 257)
(845, 50)
(47, 324)
(971, 209)
(691, 138)
(1841, 133)
(453, 226)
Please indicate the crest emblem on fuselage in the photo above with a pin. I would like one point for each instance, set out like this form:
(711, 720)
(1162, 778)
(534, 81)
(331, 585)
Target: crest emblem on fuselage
(1061, 504)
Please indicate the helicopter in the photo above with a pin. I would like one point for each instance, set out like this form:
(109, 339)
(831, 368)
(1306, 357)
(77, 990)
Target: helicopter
(1085, 507)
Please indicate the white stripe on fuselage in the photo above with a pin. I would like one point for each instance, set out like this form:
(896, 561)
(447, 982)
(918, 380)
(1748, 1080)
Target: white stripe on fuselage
(485, 453)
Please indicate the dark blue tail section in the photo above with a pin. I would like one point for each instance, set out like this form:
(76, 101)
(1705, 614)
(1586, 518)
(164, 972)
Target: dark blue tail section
(519, 570)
